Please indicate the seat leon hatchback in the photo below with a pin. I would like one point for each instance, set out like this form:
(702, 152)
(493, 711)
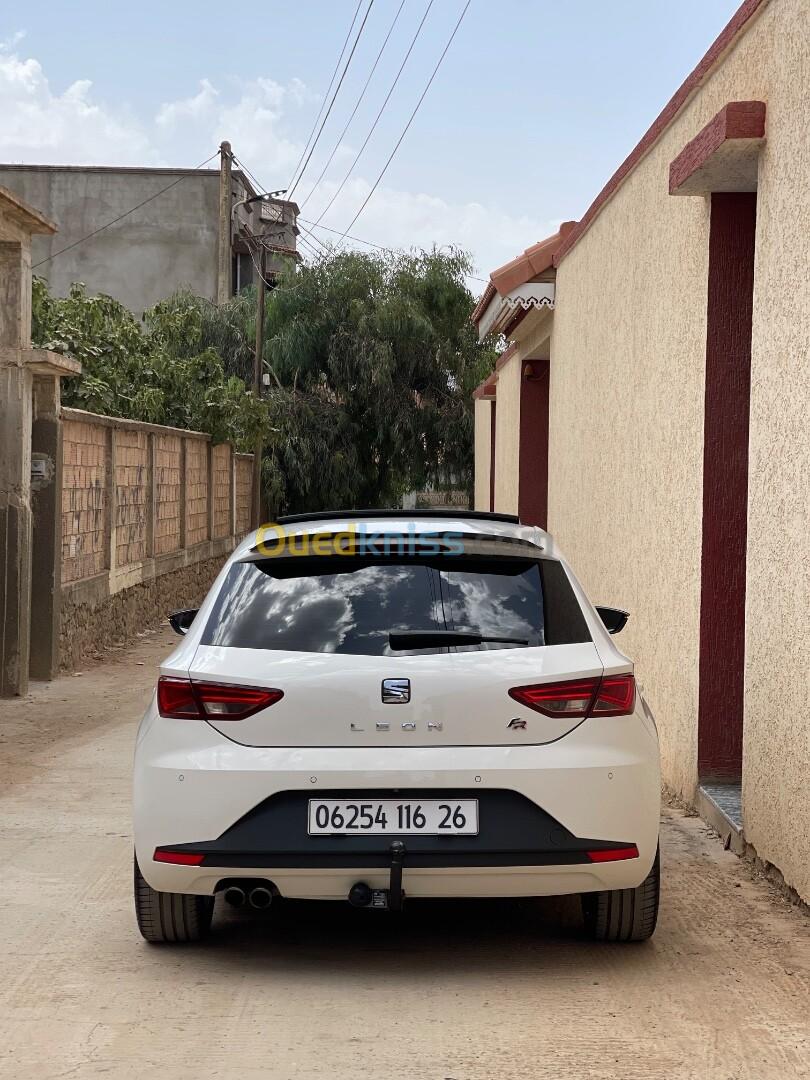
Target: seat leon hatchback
(378, 706)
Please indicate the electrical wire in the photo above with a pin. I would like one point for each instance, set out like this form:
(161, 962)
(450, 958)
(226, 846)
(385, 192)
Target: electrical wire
(302, 222)
(377, 117)
(126, 213)
(410, 120)
(328, 91)
(357, 104)
(310, 248)
(370, 243)
(261, 188)
(334, 98)
(339, 232)
(312, 237)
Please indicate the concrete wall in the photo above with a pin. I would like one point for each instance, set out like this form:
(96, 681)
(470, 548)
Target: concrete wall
(626, 440)
(148, 515)
(507, 437)
(167, 244)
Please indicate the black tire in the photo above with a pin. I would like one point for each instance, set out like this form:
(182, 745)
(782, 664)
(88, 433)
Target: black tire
(624, 914)
(170, 917)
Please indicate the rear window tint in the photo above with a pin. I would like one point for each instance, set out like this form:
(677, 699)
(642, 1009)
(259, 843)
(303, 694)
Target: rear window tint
(350, 605)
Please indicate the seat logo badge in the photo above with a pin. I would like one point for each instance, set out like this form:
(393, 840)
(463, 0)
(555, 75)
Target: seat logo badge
(396, 691)
(517, 724)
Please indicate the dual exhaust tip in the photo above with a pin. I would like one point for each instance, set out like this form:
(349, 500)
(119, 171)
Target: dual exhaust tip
(258, 896)
(261, 896)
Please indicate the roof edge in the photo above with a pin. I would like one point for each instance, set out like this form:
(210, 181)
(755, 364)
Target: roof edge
(722, 43)
(25, 215)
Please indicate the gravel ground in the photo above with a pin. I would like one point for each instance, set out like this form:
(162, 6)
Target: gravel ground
(451, 991)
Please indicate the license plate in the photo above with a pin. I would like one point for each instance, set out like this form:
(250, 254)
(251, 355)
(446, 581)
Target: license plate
(436, 817)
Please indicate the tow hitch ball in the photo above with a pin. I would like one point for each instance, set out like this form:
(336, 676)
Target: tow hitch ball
(362, 895)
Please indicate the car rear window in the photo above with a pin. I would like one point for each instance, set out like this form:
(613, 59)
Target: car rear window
(341, 604)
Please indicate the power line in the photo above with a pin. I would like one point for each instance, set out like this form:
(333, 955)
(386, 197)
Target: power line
(328, 91)
(261, 187)
(310, 248)
(334, 98)
(377, 117)
(126, 213)
(312, 236)
(370, 243)
(329, 229)
(357, 105)
(410, 119)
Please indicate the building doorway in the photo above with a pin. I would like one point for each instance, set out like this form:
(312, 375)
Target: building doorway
(725, 498)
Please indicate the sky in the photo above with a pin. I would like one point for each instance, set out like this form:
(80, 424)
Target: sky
(531, 111)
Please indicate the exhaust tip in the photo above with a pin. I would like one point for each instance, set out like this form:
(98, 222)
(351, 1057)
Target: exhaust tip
(359, 894)
(260, 897)
(235, 896)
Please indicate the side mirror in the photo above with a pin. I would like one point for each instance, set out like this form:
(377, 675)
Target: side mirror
(614, 619)
(181, 620)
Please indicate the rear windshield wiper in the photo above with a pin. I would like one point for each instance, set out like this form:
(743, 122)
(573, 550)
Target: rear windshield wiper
(431, 639)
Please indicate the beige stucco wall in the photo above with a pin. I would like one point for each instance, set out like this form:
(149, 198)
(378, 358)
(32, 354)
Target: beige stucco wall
(776, 747)
(626, 431)
(507, 437)
(483, 452)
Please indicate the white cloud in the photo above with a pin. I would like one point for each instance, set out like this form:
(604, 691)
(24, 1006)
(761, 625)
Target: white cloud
(416, 219)
(68, 128)
(262, 119)
(186, 109)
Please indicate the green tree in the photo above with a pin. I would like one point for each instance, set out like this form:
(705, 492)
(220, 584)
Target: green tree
(163, 370)
(373, 359)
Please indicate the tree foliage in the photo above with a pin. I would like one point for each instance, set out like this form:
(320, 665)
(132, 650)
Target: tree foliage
(163, 370)
(372, 360)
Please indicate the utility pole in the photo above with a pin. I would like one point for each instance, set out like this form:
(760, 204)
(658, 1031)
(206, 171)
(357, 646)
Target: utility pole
(256, 514)
(224, 249)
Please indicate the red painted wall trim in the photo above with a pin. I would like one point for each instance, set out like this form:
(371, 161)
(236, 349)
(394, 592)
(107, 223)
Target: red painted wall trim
(487, 295)
(725, 484)
(726, 38)
(737, 120)
(505, 356)
(533, 468)
(488, 388)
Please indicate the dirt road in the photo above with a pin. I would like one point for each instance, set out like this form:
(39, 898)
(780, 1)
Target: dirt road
(476, 991)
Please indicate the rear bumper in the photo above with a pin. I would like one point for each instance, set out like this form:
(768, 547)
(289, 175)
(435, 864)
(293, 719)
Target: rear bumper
(241, 809)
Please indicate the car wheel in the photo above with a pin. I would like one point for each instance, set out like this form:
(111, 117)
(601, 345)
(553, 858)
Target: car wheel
(624, 914)
(170, 917)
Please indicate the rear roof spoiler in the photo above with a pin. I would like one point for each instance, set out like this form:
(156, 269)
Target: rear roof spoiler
(341, 515)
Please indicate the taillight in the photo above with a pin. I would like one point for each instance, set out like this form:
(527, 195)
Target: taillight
(182, 699)
(616, 696)
(611, 695)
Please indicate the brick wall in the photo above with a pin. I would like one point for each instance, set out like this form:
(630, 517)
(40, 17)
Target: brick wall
(221, 488)
(243, 465)
(168, 463)
(196, 491)
(149, 514)
(83, 500)
(131, 494)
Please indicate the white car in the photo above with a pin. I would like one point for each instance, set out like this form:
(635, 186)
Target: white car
(387, 705)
